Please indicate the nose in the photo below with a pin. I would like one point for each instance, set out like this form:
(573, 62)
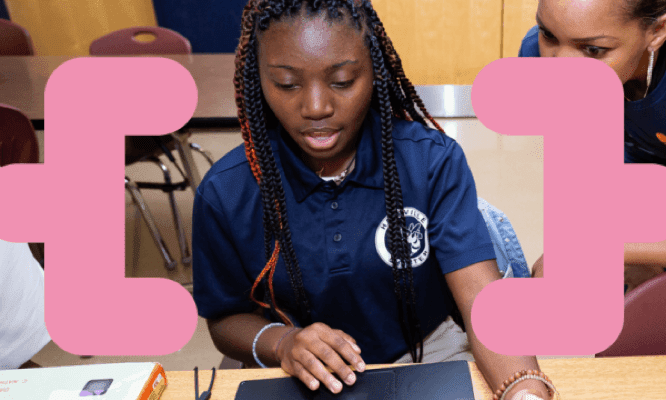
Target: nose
(317, 103)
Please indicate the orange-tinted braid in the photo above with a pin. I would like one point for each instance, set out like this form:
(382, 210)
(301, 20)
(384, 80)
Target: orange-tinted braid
(395, 64)
(249, 12)
(270, 267)
(241, 50)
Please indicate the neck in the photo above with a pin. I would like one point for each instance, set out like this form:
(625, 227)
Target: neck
(332, 167)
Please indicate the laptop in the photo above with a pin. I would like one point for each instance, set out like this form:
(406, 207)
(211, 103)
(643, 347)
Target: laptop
(438, 381)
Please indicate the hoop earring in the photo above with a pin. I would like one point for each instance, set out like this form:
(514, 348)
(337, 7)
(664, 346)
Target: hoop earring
(649, 72)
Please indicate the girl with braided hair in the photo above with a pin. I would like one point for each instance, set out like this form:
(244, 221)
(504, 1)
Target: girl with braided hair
(371, 233)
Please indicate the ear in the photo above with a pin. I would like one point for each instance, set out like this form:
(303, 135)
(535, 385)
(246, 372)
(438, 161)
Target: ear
(657, 33)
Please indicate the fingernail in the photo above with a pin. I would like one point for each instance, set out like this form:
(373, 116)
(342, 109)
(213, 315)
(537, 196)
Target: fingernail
(356, 348)
(313, 385)
(350, 379)
(360, 366)
(337, 386)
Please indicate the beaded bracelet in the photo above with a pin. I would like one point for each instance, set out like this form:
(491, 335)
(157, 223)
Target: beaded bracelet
(500, 393)
(256, 338)
(277, 346)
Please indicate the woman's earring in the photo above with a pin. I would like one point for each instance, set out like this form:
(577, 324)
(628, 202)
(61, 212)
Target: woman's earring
(649, 72)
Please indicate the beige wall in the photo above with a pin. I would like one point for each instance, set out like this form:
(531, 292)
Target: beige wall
(519, 17)
(450, 41)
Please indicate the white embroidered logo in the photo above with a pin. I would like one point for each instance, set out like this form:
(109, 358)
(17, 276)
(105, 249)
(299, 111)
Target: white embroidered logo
(417, 237)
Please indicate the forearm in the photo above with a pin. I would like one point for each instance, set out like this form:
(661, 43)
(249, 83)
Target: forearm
(30, 364)
(653, 254)
(496, 368)
(233, 337)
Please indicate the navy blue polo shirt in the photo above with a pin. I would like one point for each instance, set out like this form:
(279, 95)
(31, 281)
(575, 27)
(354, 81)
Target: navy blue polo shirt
(644, 119)
(338, 234)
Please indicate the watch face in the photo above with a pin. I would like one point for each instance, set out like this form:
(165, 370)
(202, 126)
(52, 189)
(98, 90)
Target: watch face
(96, 388)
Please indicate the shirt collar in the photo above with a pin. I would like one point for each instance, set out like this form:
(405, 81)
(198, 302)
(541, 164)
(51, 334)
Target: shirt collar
(303, 181)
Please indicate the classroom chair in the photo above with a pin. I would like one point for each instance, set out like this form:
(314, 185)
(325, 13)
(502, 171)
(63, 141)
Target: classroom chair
(18, 145)
(148, 148)
(124, 42)
(18, 142)
(14, 40)
(644, 330)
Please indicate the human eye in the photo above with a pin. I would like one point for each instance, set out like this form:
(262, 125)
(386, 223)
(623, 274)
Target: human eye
(546, 34)
(285, 86)
(594, 51)
(343, 84)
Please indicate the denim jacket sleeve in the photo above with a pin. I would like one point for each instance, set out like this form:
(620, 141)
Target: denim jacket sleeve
(510, 257)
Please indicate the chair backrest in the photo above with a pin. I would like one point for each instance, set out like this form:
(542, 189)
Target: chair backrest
(124, 42)
(14, 40)
(644, 330)
(18, 142)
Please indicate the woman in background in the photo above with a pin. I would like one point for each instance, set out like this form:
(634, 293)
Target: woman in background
(627, 35)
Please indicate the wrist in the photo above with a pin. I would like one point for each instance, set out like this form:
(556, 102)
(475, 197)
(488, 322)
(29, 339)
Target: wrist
(532, 386)
(259, 351)
(283, 342)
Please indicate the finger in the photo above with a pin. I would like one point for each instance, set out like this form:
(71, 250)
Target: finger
(315, 367)
(332, 360)
(351, 341)
(341, 344)
(306, 377)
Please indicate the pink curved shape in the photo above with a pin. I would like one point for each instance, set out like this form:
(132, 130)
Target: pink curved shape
(593, 203)
(78, 197)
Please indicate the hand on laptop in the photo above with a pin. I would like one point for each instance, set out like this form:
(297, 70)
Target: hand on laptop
(310, 353)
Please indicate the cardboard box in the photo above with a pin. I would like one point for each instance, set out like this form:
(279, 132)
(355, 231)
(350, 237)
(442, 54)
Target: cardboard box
(123, 381)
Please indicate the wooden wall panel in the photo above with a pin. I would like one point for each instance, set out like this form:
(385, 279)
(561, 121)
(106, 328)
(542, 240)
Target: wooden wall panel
(443, 41)
(519, 17)
(67, 27)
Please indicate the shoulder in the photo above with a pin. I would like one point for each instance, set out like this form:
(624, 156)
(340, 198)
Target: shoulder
(18, 263)
(417, 143)
(530, 44)
(230, 178)
(410, 133)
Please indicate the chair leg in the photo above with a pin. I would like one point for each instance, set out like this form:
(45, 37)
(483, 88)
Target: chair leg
(133, 190)
(203, 152)
(178, 221)
(185, 152)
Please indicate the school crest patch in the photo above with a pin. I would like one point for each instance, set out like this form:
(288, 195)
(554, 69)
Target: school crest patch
(417, 237)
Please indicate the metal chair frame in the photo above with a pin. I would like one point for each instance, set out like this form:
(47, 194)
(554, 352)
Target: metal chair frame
(123, 42)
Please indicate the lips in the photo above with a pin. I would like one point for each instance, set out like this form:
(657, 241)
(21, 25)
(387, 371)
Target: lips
(321, 140)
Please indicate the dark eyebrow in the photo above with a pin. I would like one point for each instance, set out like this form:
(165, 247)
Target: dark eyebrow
(332, 67)
(289, 67)
(342, 64)
(579, 40)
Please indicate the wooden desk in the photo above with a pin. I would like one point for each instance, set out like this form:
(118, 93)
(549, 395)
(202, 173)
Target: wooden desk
(626, 378)
(23, 79)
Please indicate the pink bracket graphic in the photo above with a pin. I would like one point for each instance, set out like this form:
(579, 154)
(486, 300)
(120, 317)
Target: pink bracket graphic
(593, 204)
(75, 203)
